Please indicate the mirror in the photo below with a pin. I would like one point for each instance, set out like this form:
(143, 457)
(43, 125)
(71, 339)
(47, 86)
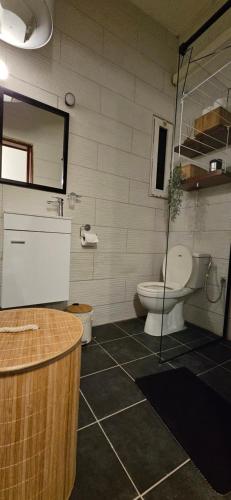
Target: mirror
(34, 143)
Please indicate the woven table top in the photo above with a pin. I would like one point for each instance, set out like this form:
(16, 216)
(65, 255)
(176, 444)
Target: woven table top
(58, 333)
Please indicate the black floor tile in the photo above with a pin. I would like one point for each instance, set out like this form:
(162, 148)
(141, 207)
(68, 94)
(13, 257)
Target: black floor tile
(94, 359)
(104, 333)
(185, 484)
(216, 352)
(110, 391)
(203, 341)
(227, 365)
(131, 326)
(126, 349)
(85, 415)
(193, 362)
(226, 343)
(220, 380)
(100, 475)
(153, 343)
(189, 334)
(145, 446)
(170, 354)
(145, 366)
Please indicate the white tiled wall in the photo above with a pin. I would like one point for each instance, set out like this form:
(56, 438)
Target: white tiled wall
(118, 63)
(204, 226)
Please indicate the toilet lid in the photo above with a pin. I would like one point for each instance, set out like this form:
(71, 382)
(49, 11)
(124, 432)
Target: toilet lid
(179, 265)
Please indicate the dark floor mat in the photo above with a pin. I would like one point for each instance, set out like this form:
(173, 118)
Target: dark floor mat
(199, 418)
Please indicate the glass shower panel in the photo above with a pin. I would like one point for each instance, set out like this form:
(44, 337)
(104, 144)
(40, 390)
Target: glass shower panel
(195, 315)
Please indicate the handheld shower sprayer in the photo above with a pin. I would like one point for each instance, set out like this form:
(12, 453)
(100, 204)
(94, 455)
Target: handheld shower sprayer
(222, 284)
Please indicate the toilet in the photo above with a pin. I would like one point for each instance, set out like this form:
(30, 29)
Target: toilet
(184, 273)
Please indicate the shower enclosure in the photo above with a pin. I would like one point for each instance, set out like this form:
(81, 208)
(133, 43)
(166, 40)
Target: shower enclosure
(197, 256)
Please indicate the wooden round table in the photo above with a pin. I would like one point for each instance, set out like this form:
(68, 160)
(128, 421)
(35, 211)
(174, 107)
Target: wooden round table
(39, 382)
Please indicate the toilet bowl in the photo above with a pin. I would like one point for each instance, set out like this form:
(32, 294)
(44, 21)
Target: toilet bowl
(183, 273)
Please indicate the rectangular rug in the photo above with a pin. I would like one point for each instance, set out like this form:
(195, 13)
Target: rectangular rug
(198, 417)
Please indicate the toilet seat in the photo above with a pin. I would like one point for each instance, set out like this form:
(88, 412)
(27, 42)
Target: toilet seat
(157, 290)
(179, 265)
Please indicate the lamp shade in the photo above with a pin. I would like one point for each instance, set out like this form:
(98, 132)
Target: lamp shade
(27, 24)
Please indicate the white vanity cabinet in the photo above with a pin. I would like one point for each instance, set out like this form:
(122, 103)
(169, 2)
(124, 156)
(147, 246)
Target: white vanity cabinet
(36, 260)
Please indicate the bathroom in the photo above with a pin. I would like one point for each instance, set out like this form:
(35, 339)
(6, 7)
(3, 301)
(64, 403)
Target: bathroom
(108, 72)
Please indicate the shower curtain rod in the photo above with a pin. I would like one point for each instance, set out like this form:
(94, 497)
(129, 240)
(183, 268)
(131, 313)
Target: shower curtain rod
(219, 13)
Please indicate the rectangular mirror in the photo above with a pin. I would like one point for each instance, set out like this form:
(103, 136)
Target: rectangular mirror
(34, 143)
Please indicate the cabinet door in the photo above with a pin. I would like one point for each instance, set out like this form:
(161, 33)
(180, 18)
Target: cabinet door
(36, 268)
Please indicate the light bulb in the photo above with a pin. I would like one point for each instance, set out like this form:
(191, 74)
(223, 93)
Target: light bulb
(3, 71)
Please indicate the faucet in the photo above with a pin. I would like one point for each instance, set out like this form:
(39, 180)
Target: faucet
(58, 203)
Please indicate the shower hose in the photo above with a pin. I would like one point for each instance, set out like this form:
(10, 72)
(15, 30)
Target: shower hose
(222, 284)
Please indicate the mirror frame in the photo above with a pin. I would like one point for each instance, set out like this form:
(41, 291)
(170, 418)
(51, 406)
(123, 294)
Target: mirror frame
(46, 107)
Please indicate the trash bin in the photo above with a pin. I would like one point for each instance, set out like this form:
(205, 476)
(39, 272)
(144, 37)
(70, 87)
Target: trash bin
(85, 313)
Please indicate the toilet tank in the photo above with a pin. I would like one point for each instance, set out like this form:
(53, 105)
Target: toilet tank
(200, 266)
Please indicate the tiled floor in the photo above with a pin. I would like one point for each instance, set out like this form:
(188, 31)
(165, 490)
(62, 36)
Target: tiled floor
(125, 451)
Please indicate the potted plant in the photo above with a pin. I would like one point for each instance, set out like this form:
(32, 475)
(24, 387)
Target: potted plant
(175, 192)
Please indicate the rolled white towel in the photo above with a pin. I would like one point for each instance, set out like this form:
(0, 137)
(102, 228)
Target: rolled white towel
(16, 329)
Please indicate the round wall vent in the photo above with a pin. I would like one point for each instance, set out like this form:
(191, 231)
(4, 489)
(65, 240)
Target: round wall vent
(27, 24)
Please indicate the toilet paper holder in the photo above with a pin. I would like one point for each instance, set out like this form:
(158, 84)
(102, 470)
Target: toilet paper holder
(84, 227)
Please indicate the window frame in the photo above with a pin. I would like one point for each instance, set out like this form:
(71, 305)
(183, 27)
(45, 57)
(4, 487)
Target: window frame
(22, 146)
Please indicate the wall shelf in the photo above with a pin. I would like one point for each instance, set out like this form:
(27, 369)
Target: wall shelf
(211, 133)
(210, 179)
(204, 144)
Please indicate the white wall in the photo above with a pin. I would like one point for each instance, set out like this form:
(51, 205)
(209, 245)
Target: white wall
(118, 63)
(204, 226)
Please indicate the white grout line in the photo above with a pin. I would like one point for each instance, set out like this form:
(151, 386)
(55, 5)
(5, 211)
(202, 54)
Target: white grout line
(141, 343)
(166, 477)
(189, 351)
(120, 365)
(111, 445)
(138, 341)
(123, 409)
(86, 426)
(117, 363)
(214, 367)
(201, 354)
(137, 359)
(130, 334)
(111, 414)
(112, 340)
(224, 363)
(98, 371)
(157, 353)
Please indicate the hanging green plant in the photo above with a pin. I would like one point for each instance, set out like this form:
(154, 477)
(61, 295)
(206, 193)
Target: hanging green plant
(175, 192)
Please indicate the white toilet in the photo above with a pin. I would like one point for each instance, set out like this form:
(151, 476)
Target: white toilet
(185, 274)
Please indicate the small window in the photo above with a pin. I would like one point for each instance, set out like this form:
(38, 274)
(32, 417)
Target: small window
(161, 157)
(17, 160)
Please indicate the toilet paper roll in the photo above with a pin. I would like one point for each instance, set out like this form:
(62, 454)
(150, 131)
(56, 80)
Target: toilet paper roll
(88, 239)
